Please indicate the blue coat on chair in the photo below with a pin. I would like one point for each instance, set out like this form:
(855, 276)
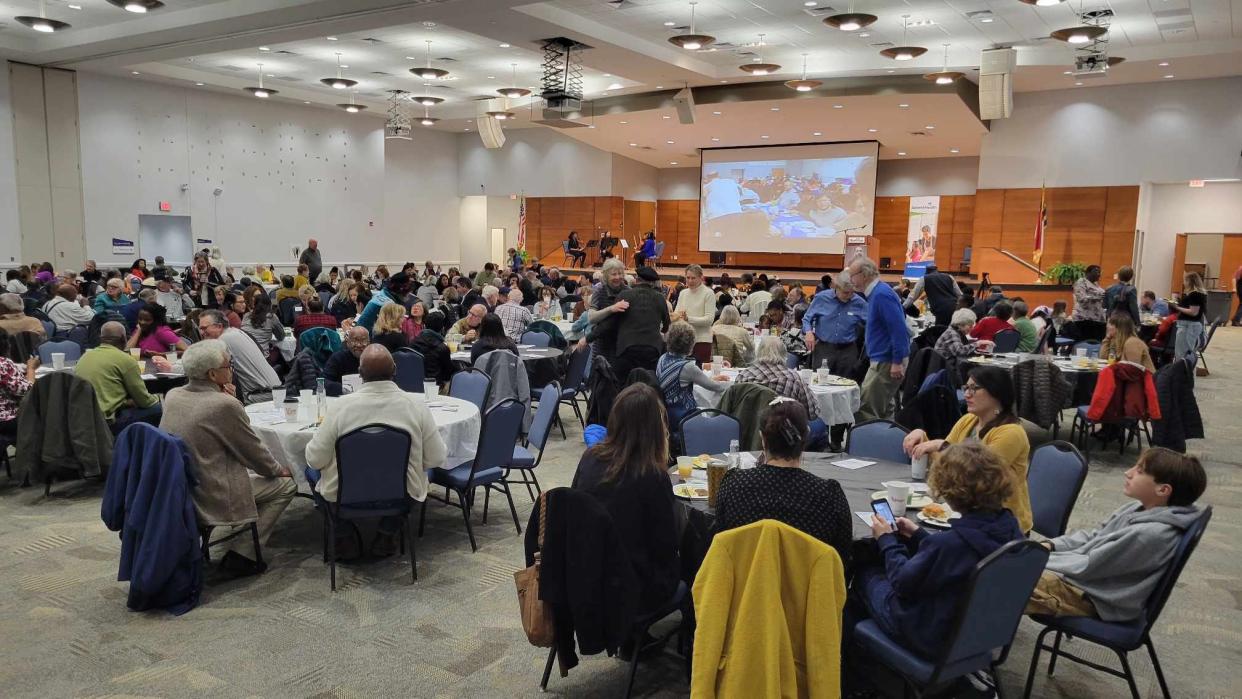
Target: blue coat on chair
(148, 501)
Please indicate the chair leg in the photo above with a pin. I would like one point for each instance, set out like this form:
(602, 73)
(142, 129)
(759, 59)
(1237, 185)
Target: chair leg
(535, 479)
(512, 509)
(1155, 663)
(254, 533)
(465, 512)
(558, 421)
(47, 488)
(422, 519)
(407, 533)
(996, 681)
(1129, 674)
(1030, 673)
(332, 552)
(629, 688)
(1056, 652)
(487, 497)
(547, 669)
(578, 413)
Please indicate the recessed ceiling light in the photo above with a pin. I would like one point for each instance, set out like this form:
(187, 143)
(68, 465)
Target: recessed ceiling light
(666, 117)
(672, 162)
(838, 106)
(615, 86)
(929, 127)
(607, 75)
(903, 105)
(1068, 72)
(1078, 84)
(264, 48)
(344, 65)
(1163, 64)
(715, 139)
(715, 113)
(724, 81)
(892, 70)
(817, 133)
(1167, 77)
(491, 77)
(470, 121)
(429, 24)
(466, 129)
(670, 23)
(330, 38)
(134, 72)
(763, 137)
(505, 46)
(901, 152)
(986, 20)
(954, 150)
(864, 35)
(669, 142)
(75, 7)
(633, 145)
(872, 130)
(200, 84)
(307, 102)
(625, 122)
(810, 3)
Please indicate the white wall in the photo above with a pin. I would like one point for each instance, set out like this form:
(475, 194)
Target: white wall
(926, 177)
(502, 212)
(420, 197)
(473, 227)
(1168, 209)
(679, 183)
(10, 235)
(1122, 135)
(634, 180)
(537, 162)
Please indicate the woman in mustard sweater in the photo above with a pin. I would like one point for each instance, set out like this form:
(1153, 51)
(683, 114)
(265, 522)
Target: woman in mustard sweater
(989, 418)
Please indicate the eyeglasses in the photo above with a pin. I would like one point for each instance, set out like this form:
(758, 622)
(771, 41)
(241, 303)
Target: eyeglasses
(970, 389)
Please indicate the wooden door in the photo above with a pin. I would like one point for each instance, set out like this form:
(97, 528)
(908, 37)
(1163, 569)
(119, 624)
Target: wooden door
(1230, 260)
(1179, 264)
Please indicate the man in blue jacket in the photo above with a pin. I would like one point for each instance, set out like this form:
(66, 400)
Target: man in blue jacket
(887, 341)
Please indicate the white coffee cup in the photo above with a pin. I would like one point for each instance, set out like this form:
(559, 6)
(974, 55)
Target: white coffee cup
(306, 396)
(823, 375)
(806, 375)
(718, 361)
(58, 360)
(291, 411)
(898, 496)
(707, 367)
(918, 468)
(569, 317)
(431, 389)
(278, 399)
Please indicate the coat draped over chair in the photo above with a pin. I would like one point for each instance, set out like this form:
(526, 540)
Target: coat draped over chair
(61, 428)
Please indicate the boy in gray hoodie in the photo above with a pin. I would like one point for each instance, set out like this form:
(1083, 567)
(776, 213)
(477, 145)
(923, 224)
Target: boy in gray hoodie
(1110, 571)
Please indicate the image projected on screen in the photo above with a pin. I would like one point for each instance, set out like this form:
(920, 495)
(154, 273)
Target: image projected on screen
(791, 204)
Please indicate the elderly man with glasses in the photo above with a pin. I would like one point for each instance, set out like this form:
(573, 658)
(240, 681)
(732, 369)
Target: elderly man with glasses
(887, 341)
(255, 378)
(344, 361)
(207, 417)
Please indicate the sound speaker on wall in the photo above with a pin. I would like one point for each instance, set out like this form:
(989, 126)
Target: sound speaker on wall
(716, 258)
(684, 100)
(996, 82)
(491, 133)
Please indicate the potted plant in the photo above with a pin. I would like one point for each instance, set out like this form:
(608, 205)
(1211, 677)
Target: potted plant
(1065, 272)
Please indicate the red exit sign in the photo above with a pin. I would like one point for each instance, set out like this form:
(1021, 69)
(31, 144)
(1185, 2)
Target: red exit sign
(165, 206)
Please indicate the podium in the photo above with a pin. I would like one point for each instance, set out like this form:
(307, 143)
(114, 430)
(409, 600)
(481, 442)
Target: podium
(856, 246)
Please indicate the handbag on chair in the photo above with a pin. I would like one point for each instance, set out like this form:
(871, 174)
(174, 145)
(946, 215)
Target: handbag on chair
(537, 619)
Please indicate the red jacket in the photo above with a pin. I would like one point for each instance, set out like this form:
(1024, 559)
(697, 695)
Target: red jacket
(988, 326)
(1124, 390)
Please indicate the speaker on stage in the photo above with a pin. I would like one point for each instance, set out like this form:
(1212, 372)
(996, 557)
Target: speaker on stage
(716, 258)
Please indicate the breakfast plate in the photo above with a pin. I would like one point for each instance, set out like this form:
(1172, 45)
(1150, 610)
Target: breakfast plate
(937, 515)
(691, 490)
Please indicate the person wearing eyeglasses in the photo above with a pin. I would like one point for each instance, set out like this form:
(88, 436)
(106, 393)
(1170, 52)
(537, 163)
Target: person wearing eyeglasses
(989, 419)
(254, 376)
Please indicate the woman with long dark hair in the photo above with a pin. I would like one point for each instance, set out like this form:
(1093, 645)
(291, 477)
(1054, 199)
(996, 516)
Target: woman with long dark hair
(153, 335)
(262, 325)
(627, 473)
(139, 268)
(491, 337)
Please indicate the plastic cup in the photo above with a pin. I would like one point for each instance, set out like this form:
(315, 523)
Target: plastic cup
(278, 398)
(569, 317)
(898, 496)
(685, 467)
(306, 395)
(806, 375)
(431, 389)
(136, 353)
(715, 473)
(918, 468)
(718, 360)
(707, 367)
(58, 360)
(823, 375)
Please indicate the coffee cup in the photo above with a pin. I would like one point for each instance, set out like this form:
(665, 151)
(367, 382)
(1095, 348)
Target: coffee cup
(291, 411)
(806, 375)
(707, 367)
(351, 383)
(918, 468)
(58, 360)
(569, 317)
(278, 398)
(431, 389)
(718, 361)
(898, 496)
(306, 395)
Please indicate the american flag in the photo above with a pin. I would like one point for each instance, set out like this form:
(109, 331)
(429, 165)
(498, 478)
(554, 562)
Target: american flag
(521, 236)
(1041, 224)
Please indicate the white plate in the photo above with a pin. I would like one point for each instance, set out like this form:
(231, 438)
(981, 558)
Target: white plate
(691, 490)
(938, 522)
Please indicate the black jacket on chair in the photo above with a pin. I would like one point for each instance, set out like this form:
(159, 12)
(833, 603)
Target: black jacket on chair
(1180, 419)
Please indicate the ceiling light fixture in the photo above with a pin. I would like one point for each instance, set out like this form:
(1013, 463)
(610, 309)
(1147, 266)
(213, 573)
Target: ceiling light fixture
(764, 137)
(1043, 3)
(945, 76)
(514, 92)
(501, 115)
(1163, 64)
(903, 105)
(672, 162)
(429, 73)
(339, 82)
(75, 7)
(669, 142)
(200, 84)
(427, 119)
(817, 133)
(954, 150)
(1167, 77)
(850, 21)
(506, 46)
(715, 140)
(901, 152)
(873, 130)
(351, 107)
(904, 53)
(838, 106)
(330, 38)
(691, 41)
(134, 72)
(428, 100)
(759, 67)
(42, 23)
(802, 84)
(260, 91)
(1079, 35)
(137, 6)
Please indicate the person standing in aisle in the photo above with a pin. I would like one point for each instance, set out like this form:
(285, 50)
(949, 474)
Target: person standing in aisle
(887, 341)
(311, 258)
(696, 305)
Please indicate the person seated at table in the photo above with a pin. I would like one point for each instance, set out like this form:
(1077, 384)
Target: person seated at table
(314, 317)
(1029, 334)
(302, 278)
(15, 381)
(914, 595)
(309, 363)
(412, 324)
(1160, 340)
(548, 306)
(254, 376)
(955, 342)
(129, 312)
(264, 274)
(678, 374)
(769, 369)
(344, 361)
(730, 340)
(1122, 343)
(513, 315)
(437, 360)
(114, 297)
(206, 415)
(492, 336)
(13, 318)
(117, 379)
(263, 326)
(387, 331)
(153, 334)
(627, 472)
(1109, 571)
(989, 325)
(287, 289)
(1059, 315)
(775, 317)
(344, 304)
(379, 402)
(1155, 306)
(323, 284)
(66, 311)
(778, 488)
(989, 419)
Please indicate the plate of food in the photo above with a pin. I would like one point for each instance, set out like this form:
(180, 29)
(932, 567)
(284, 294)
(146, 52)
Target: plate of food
(937, 515)
(918, 500)
(841, 381)
(691, 490)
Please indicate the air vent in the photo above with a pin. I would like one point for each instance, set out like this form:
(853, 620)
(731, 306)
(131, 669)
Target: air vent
(445, 59)
(820, 12)
(724, 45)
(621, 4)
(284, 52)
(883, 45)
(235, 69)
(380, 72)
(918, 133)
(373, 40)
(288, 78)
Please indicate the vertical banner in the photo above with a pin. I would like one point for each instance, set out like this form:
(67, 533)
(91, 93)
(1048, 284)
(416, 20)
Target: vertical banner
(921, 234)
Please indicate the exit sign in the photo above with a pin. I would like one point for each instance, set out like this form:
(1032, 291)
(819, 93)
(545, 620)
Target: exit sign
(1197, 183)
(165, 206)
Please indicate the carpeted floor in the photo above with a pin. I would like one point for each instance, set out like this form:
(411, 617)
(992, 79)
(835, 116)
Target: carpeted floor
(65, 631)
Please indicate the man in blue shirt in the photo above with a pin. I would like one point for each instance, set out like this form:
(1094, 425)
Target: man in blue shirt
(1151, 304)
(394, 292)
(887, 341)
(831, 325)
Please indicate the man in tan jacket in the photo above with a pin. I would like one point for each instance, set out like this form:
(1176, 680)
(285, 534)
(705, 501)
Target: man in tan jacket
(207, 416)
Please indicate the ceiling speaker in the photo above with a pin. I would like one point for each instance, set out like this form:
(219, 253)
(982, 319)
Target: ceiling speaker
(684, 100)
(491, 133)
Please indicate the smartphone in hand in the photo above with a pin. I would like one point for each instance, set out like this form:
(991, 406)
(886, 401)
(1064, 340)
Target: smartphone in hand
(884, 511)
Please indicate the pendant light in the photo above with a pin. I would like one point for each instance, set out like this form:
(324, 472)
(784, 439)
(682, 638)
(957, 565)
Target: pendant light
(691, 41)
(759, 67)
(351, 107)
(137, 6)
(260, 91)
(1082, 34)
(427, 100)
(427, 119)
(339, 82)
(42, 23)
(802, 84)
(513, 92)
(429, 73)
(850, 21)
(1043, 3)
(904, 53)
(502, 114)
(945, 76)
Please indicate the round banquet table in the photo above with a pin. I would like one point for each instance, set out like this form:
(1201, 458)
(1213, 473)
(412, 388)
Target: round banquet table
(837, 404)
(457, 421)
(528, 353)
(156, 382)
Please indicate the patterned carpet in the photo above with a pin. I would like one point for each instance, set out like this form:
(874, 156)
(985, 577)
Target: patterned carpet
(65, 631)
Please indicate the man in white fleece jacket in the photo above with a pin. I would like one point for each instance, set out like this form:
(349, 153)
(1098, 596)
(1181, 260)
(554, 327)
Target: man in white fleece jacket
(1110, 571)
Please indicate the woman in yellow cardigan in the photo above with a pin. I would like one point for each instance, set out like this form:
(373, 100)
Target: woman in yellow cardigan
(989, 418)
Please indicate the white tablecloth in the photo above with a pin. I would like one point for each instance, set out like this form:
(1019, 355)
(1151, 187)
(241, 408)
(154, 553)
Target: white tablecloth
(837, 404)
(526, 352)
(287, 440)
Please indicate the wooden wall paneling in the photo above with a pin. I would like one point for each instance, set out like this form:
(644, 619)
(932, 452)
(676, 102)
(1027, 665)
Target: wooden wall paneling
(1179, 263)
(1077, 208)
(1018, 221)
(892, 219)
(1121, 210)
(1056, 248)
(629, 223)
(1116, 250)
(989, 208)
(963, 228)
(1230, 260)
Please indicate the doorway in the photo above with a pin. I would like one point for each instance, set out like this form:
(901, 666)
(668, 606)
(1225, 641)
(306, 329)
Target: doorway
(496, 245)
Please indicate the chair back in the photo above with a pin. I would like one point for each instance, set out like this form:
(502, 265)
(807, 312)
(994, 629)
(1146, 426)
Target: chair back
(1091, 330)
(996, 594)
(565, 246)
(49, 328)
(499, 433)
(1185, 547)
(792, 360)
(325, 297)
(545, 415)
(1045, 338)
(79, 334)
(1092, 347)
(878, 439)
(576, 373)
(659, 251)
(471, 384)
(410, 373)
(1207, 337)
(537, 339)
(371, 466)
(72, 350)
(1006, 341)
(708, 431)
(286, 312)
(1054, 479)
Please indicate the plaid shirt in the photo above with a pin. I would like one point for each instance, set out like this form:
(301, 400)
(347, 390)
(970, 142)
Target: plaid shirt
(515, 318)
(785, 381)
(952, 345)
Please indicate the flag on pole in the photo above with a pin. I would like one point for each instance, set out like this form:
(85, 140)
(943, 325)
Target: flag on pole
(521, 236)
(1041, 224)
